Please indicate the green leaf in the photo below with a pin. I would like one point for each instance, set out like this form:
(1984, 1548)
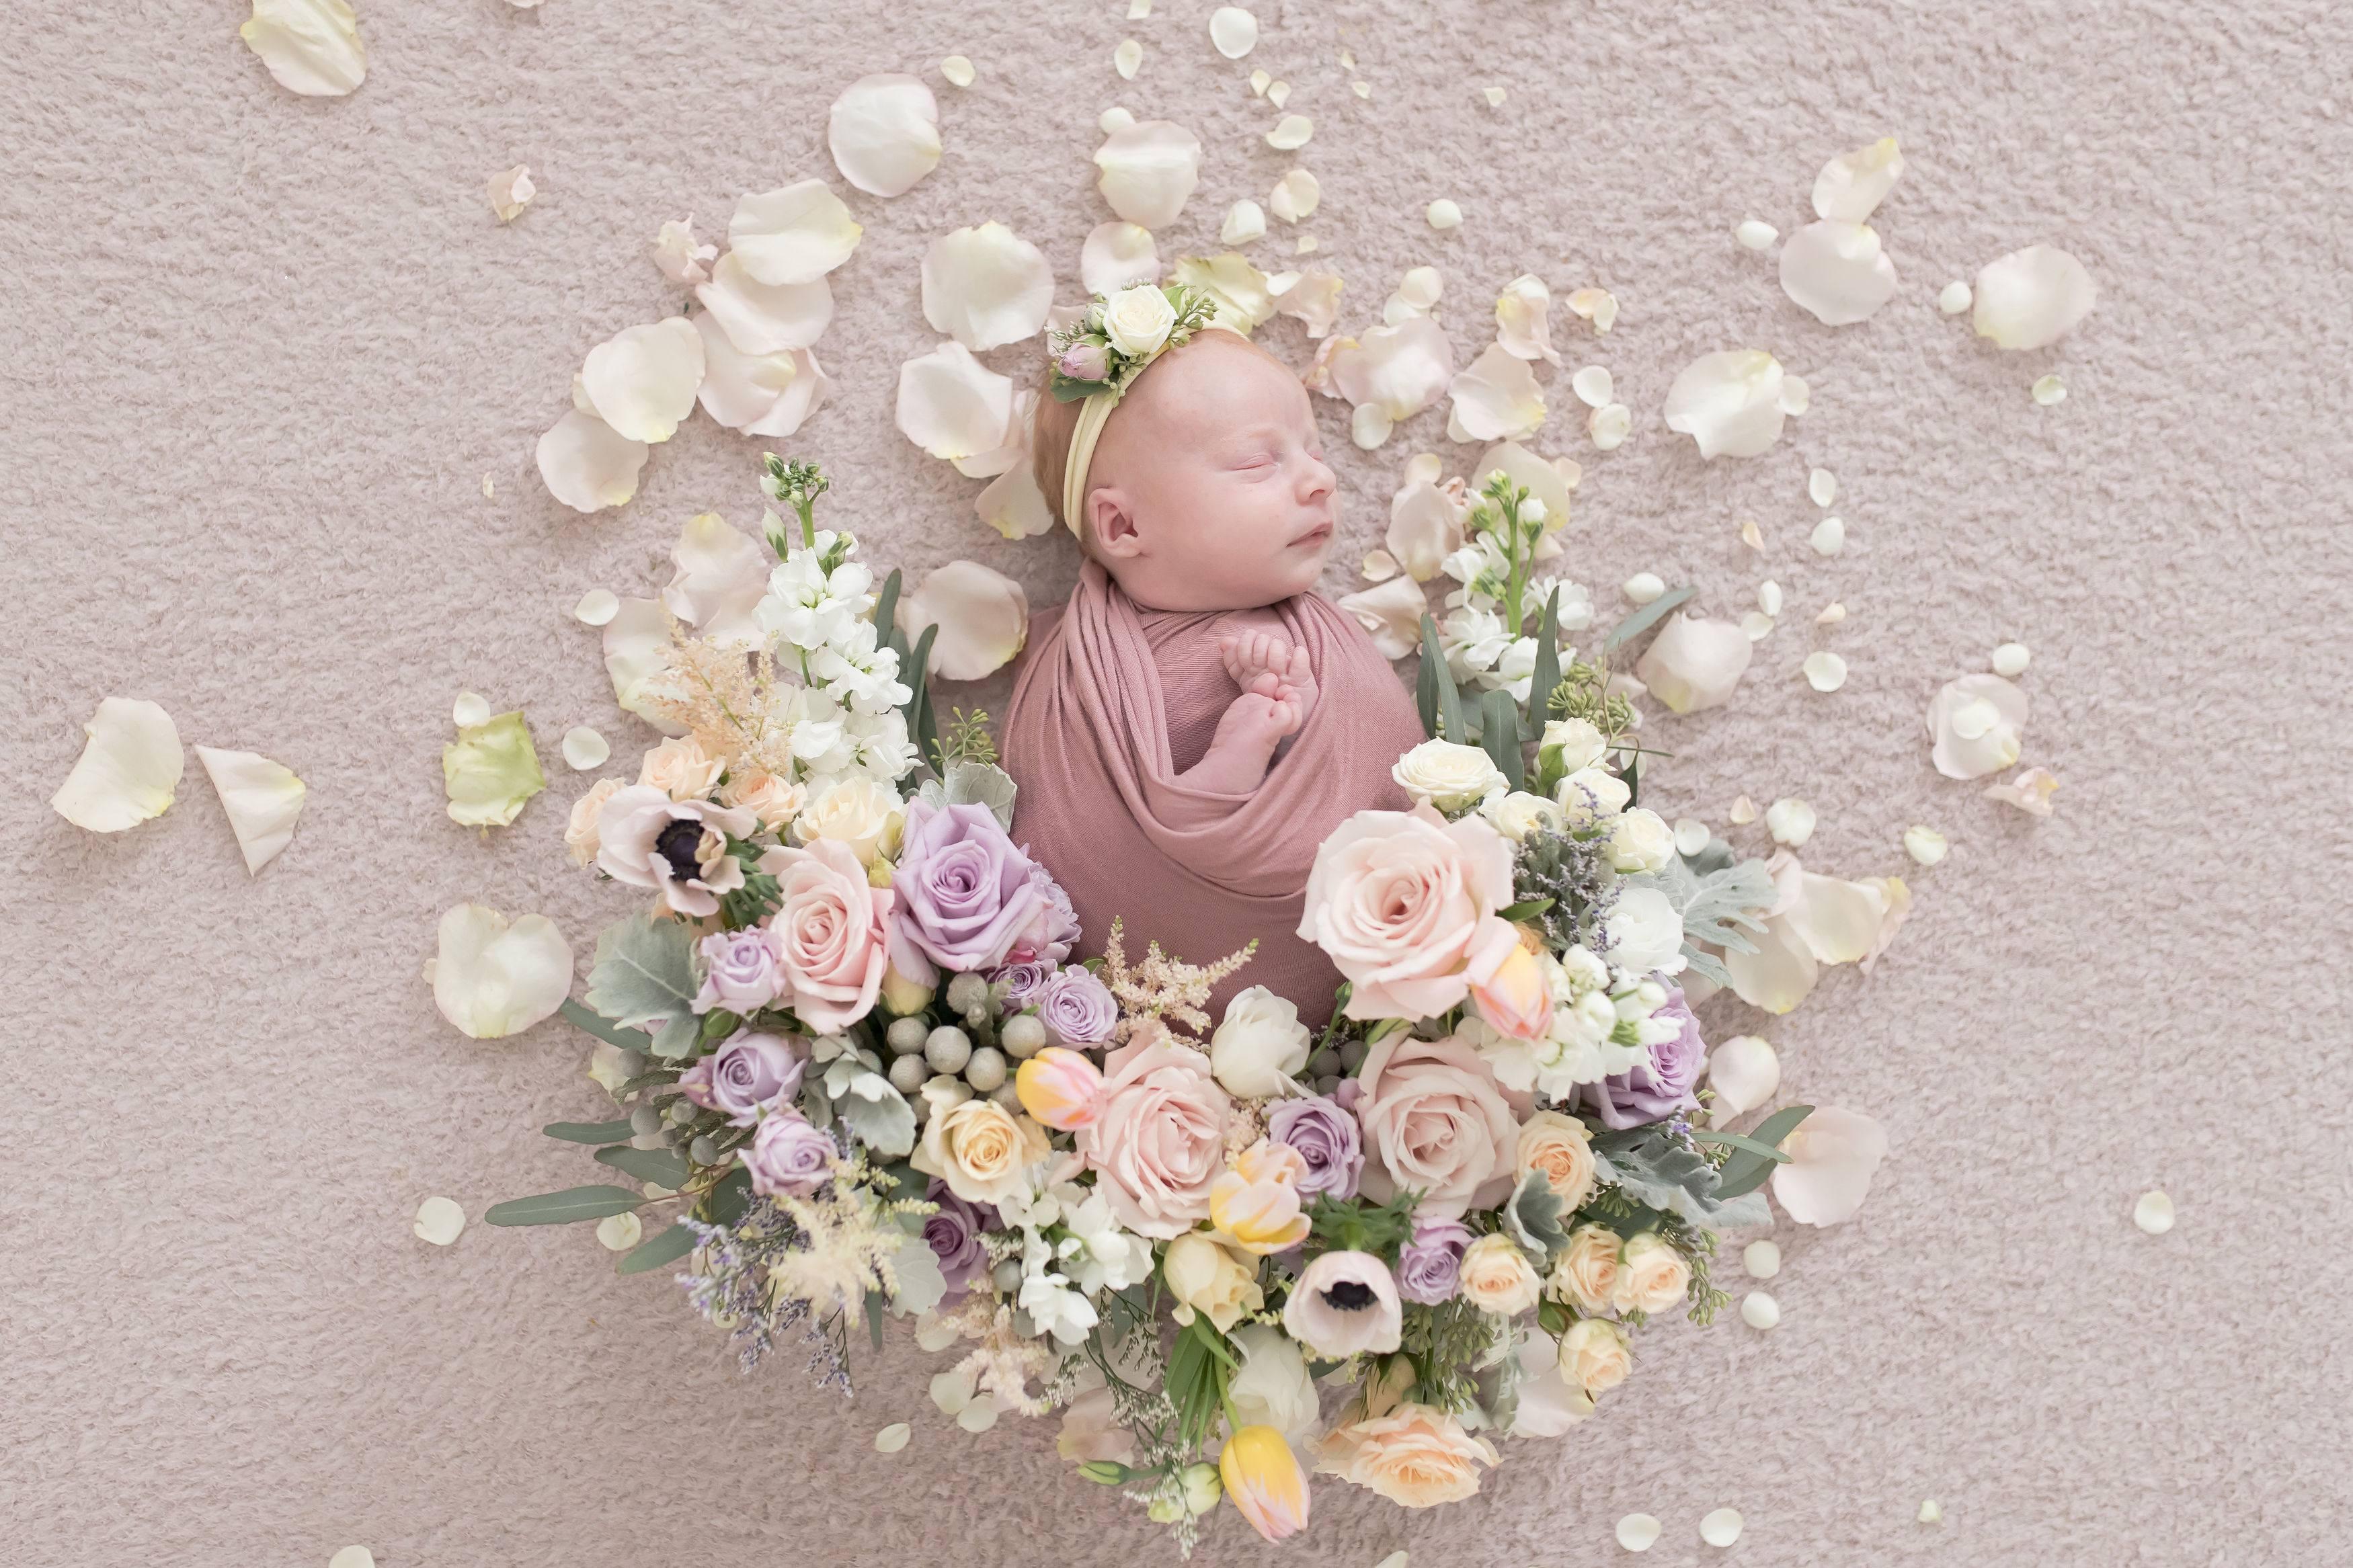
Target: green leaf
(922, 722)
(668, 1247)
(1548, 670)
(1500, 736)
(1643, 619)
(1746, 1172)
(886, 1125)
(664, 1167)
(589, 1132)
(605, 1029)
(1737, 1140)
(567, 1207)
(1450, 701)
(874, 1304)
(1077, 390)
(1633, 777)
(1527, 910)
(725, 1203)
(1553, 1318)
(886, 603)
(645, 971)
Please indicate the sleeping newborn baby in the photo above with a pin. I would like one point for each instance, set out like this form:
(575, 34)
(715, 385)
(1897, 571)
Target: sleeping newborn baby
(1187, 730)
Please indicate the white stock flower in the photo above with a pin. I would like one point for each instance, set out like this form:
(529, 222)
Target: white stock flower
(808, 606)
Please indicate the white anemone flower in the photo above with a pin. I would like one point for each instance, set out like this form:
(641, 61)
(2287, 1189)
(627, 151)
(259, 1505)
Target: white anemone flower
(1522, 324)
(760, 395)
(987, 287)
(1497, 399)
(1733, 403)
(1744, 1071)
(642, 380)
(764, 318)
(588, 465)
(1853, 184)
(2032, 297)
(884, 131)
(1974, 723)
(129, 767)
(494, 977)
(952, 405)
(1838, 272)
(795, 235)
(1391, 611)
(983, 618)
(262, 799)
(1312, 298)
(1694, 664)
(1832, 1155)
(312, 46)
(1149, 169)
(1115, 255)
(1400, 370)
(1295, 196)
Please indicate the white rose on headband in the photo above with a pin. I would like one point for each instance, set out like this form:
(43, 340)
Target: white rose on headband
(1137, 321)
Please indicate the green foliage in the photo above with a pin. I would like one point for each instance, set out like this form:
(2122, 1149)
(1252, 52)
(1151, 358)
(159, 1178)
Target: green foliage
(644, 973)
(663, 1167)
(1714, 903)
(1500, 734)
(1655, 1167)
(605, 1029)
(967, 739)
(797, 484)
(1359, 1225)
(1643, 619)
(1746, 1170)
(567, 1207)
(922, 722)
(1582, 692)
(1200, 1363)
(589, 1132)
(1441, 714)
(974, 783)
(1533, 1216)
(749, 904)
(672, 1245)
(885, 1125)
(1444, 1342)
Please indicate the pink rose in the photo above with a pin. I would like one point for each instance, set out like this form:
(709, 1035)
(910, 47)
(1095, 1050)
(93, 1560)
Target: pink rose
(1435, 1121)
(835, 932)
(1405, 902)
(1160, 1142)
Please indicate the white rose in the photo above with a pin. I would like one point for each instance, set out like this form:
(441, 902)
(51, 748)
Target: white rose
(1576, 742)
(1272, 1388)
(1259, 1043)
(1519, 814)
(1643, 933)
(1137, 321)
(859, 812)
(1640, 840)
(1448, 775)
(1590, 793)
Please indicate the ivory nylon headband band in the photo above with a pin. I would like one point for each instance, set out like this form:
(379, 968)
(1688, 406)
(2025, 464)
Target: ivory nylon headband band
(1094, 414)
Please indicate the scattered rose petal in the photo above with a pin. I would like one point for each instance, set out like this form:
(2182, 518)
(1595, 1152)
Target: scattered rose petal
(958, 71)
(1295, 196)
(1637, 1531)
(584, 750)
(1014, 505)
(1127, 60)
(490, 770)
(1694, 664)
(680, 259)
(1444, 213)
(1390, 613)
(794, 235)
(986, 287)
(1642, 588)
(1378, 566)
(510, 191)
(1744, 1072)
(262, 799)
(1931, 1512)
(1955, 297)
(2047, 391)
(759, 394)
(1495, 399)
(1137, 10)
(1833, 1156)
(1974, 723)
(1116, 255)
(1245, 221)
(636, 655)
(1721, 1527)
(1829, 536)
(128, 769)
(1838, 921)
(1821, 485)
(1779, 974)
(596, 608)
(620, 1232)
(1315, 299)
(1596, 305)
(1825, 671)
(1233, 30)
(1796, 395)
(1361, 88)
(1755, 234)
(1691, 836)
(2032, 297)
(884, 131)
(1369, 424)
(1838, 272)
(1751, 535)
(440, 1221)
(642, 380)
(312, 46)
(492, 977)
(1831, 614)
(952, 1390)
(1522, 324)
(1148, 170)
(1240, 291)
(893, 1437)
(1259, 83)
(1768, 596)
(1611, 426)
(2154, 1214)
(470, 711)
(1495, 96)
(952, 405)
(2030, 791)
(1743, 812)
(487, 490)
(1550, 482)
(1730, 403)
(978, 1416)
(2012, 659)
(1760, 1312)
(1594, 386)
(761, 318)
(1399, 370)
(1278, 93)
(1291, 133)
(1757, 625)
(1790, 821)
(1762, 1259)
(1114, 119)
(1925, 844)
(1853, 184)
(983, 616)
(352, 1557)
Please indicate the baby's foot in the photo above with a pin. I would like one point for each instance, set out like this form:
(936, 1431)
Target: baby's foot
(1250, 655)
(1254, 723)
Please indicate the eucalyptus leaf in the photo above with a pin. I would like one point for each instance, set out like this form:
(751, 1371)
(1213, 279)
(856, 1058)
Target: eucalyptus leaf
(1500, 733)
(725, 1203)
(644, 975)
(874, 1304)
(1651, 1166)
(1450, 701)
(886, 1125)
(668, 1247)
(590, 1132)
(1547, 676)
(605, 1029)
(1745, 1171)
(567, 1207)
(1643, 619)
(886, 603)
(663, 1167)
(1736, 1140)
(1527, 910)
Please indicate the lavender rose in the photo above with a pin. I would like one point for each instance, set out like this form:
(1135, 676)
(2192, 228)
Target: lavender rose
(1054, 931)
(1078, 1009)
(954, 1235)
(1023, 982)
(965, 892)
(745, 1073)
(740, 971)
(1429, 1266)
(1326, 1135)
(1652, 1093)
(789, 1155)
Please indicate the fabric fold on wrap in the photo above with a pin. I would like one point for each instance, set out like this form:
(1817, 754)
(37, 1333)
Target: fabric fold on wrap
(1088, 739)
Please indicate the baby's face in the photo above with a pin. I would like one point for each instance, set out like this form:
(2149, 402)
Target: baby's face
(1212, 490)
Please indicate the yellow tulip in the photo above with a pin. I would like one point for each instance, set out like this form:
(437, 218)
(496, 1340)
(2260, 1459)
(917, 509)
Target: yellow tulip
(1263, 1479)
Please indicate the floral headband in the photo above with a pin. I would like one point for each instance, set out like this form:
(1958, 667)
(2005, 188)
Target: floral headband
(1097, 360)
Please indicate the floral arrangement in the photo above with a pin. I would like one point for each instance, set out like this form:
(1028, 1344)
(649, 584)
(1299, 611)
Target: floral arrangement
(1119, 333)
(857, 1061)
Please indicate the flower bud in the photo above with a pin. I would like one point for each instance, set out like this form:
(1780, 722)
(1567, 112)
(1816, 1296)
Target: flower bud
(1202, 1489)
(1061, 1088)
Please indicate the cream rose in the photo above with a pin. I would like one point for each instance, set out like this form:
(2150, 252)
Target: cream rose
(1519, 814)
(1448, 776)
(1643, 933)
(1593, 1356)
(1259, 1043)
(1640, 840)
(1206, 1278)
(1138, 320)
(1562, 1148)
(1415, 1456)
(1586, 1270)
(681, 769)
(774, 801)
(1571, 745)
(980, 1149)
(1435, 1121)
(1652, 1276)
(1405, 902)
(1272, 1388)
(1590, 793)
(1159, 1144)
(860, 812)
(580, 833)
(1497, 1278)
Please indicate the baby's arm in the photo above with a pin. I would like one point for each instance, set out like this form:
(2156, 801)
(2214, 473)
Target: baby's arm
(1250, 655)
(1252, 726)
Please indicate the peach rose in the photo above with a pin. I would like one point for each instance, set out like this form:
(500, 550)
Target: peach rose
(681, 769)
(980, 1150)
(1160, 1142)
(1405, 902)
(1593, 1356)
(774, 801)
(1415, 1456)
(1434, 1120)
(1206, 1278)
(1497, 1278)
(1562, 1148)
(835, 932)
(1652, 1276)
(1586, 1270)
(580, 833)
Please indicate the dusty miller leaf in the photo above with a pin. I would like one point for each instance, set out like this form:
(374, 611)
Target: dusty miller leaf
(1713, 894)
(886, 1125)
(645, 975)
(974, 783)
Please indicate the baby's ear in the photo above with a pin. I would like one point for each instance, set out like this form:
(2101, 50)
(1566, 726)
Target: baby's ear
(1114, 523)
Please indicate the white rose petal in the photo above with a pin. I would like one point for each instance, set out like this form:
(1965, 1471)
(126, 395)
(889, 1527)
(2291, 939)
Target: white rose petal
(1240, 291)
(1112, 120)
(1495, 96)
(1148, 170)
(2047, 391)
(722, 574)
(1974, 723)
(1594, 386)
(1391, 613)
(983, 616)
(1755, 234)
(471, 709)
(1743, 811)
(1694, 664)
(1245, 221)
(986, 287)
(1444, 213)
(1315, 299)
(510, 191)
(1497, 399)
(584, 750)
(1721, 1527)
(1832, 1157)
(1853, 184)
(1838, 272)
(1278, 93)
(2030, 791)
(793, 235)
(1638, 1531)
(596, 606)
(1829, 536)
(1691, 836)
(952, 405)
(1642, 588)
(1825, 671)
(1744, 1071)
(1789, 821)
(1400, 370)
(1291, 133)
(1370, 426)
(1609, 426)
(1762, 1259)
(1759, 1311)
(440, 1221)
(1955, 297)
(1730, 403)
(680, 259)
(1233, 30)
(127, 769)
(884, 131)
(1822, 487)
(1837, 920)
(1768, 596)
(761, 318)
(1522, 324)
(2153, 1213)
(760, 395)
(620, 1232)
(2032, 297)
(1757, 625)
(1116, 255)
(312, 46)
(2012, 659)
(1379, 566)
(1295, 196)
(262, 799)
(642, 380)
(1547, 482)
(1779, 974)
(1831, 614)
(1931, 1512)
(1925, 844)
(492, 977)
(1127, 60)
(958, 71)
(1596, 305)
(352, 1557)
(1795, 396)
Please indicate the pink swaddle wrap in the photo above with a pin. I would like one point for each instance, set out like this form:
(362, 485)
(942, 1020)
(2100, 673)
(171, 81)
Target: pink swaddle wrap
(1114, 700)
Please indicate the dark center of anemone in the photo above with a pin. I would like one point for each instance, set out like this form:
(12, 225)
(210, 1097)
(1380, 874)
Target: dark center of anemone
(1350, 1296)
(676, 843)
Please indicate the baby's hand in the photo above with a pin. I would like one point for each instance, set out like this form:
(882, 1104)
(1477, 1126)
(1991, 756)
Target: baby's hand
(1250, 655)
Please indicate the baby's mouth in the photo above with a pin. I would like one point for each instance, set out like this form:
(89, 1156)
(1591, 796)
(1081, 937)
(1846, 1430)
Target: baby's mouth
(1315, 535)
